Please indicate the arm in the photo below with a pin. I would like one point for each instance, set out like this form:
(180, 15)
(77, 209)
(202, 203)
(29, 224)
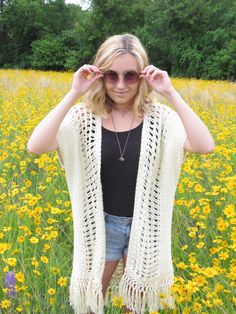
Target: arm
(199, 139)
(43, 138)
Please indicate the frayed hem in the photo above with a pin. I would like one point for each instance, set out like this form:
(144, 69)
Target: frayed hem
(140, 297)
(86, 296)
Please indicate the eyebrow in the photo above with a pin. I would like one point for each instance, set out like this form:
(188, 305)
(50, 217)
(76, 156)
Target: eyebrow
(122, 72)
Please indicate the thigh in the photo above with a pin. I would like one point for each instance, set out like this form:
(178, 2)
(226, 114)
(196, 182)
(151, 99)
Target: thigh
(124, 258)
(115, 239)
(127, 236)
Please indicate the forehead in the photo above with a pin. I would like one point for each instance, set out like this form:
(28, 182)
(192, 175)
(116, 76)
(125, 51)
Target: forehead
(124, 62)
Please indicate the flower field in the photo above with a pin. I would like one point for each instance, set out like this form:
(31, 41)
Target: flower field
(36, 234)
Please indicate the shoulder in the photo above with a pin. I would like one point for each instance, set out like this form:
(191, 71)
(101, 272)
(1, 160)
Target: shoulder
(79, 109)
(72, 116)
(164, 111)
(78, 112)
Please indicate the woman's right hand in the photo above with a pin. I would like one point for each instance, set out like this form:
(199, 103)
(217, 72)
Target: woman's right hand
(84, 78)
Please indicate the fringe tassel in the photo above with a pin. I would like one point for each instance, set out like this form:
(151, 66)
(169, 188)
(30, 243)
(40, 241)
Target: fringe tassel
(112, 290)
(86, 296)
(78, 296)
(95, 300)
(136, 296)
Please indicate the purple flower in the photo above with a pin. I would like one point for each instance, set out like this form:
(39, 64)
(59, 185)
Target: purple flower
(10, 283)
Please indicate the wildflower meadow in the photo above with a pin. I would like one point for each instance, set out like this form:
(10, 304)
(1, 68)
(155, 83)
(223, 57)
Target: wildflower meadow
(36, 231)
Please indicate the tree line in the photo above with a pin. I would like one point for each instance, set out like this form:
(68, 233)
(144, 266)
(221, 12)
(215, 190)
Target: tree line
(187, 38)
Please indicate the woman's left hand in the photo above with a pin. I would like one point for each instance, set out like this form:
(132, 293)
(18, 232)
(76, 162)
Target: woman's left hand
(159, 80)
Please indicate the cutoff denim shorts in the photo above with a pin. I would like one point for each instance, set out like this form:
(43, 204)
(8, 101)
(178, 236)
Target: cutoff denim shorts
(117, 236)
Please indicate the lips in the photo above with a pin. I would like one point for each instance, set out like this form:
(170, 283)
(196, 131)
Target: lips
(120, 93)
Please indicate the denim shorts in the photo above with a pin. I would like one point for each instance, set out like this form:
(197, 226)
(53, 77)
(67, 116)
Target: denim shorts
(117, 236)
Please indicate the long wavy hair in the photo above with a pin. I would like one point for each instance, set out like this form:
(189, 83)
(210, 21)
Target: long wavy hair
(96, 98)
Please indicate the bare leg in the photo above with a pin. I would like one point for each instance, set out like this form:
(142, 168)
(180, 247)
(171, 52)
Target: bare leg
(125, 309)
(109, 269)
(124, 258)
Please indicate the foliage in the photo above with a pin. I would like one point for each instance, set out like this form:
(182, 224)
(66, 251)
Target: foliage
(188, 38)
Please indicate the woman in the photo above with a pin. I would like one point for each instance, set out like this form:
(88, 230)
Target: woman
(122, 155)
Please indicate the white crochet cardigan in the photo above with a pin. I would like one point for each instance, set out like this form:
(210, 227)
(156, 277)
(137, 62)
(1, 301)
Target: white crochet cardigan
(149, 269)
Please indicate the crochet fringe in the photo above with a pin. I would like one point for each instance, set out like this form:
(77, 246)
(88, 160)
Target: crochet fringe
(78, 296)
(86, 297)
(136, 296)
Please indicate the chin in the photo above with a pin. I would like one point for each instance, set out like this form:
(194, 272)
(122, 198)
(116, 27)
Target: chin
(123, 101)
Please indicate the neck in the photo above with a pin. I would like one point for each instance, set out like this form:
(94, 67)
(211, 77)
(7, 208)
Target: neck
(122, 109)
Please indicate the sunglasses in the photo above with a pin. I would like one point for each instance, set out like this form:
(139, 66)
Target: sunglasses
(129, 77)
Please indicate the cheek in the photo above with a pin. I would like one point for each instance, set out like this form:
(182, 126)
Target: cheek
(107, 88)
(135, 89)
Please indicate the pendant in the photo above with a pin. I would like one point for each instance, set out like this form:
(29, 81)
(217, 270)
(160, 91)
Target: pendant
(121, 158)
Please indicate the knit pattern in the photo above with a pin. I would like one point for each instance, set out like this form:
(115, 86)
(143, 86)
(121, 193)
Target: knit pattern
(148, 275)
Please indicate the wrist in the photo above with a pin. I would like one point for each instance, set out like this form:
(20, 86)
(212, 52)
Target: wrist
(74, 94)
(170, 94)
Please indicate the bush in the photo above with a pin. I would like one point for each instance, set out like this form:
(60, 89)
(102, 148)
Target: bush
(48, 54)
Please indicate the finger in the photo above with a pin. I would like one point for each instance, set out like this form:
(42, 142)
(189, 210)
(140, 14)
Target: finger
(91, 68)
(153, 71)
(95, 76)
(155, 74)
(95, 69)
(82, 71)
(150, 69)
(145, 70)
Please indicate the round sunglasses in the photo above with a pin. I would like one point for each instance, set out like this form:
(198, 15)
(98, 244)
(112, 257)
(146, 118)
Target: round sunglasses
(129, 77)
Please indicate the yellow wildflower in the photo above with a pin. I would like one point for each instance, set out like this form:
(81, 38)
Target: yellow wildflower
(221, 224)
(55, 270)
(229, 211)
(51, 301)
(51, 291)
(34, 240)
(20, 277)
(4, 247)
(223, 255)
(117, 301)
(200, 280)
(44, 259)
(200, 245)
(62, 281)
(11, 261)
(5, 304)
(36, 272)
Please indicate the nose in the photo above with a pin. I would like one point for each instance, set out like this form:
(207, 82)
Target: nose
(121, 83)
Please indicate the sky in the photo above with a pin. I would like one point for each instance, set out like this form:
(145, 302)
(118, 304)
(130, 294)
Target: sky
(83, 3)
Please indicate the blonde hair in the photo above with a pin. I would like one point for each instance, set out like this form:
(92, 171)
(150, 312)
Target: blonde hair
(96, 98)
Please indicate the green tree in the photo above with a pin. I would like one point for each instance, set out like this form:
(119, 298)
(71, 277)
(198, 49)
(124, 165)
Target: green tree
(20, 27)
(26, 21)
(192, 38)
(108, 18)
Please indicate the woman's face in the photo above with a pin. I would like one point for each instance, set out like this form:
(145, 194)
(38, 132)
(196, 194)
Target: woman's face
(121, 92)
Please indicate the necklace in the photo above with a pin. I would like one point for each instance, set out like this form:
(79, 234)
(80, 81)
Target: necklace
(122, 153)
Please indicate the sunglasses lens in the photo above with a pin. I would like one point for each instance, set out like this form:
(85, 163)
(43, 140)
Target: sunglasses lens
(131, 77)
(111, 77)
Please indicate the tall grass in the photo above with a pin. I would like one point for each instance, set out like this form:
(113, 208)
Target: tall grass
(36, 236)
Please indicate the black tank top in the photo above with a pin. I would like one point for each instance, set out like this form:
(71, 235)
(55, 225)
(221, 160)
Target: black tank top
(119, 177)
